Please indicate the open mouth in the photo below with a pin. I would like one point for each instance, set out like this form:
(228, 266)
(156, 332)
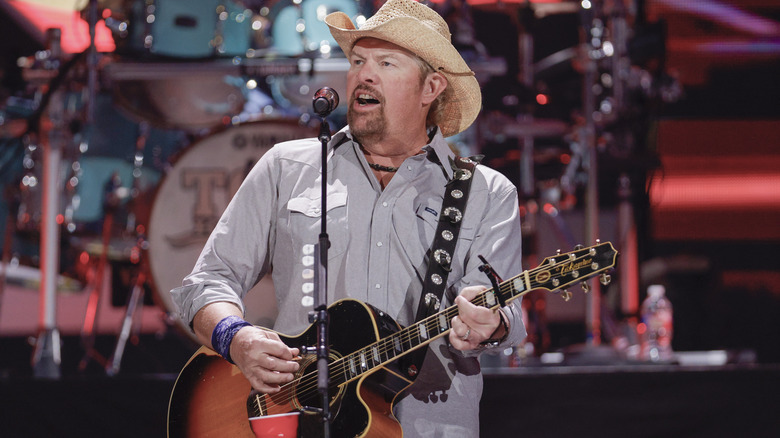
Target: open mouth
(366, 99)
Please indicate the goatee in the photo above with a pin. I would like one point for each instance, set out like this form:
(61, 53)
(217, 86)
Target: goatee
(366, 127)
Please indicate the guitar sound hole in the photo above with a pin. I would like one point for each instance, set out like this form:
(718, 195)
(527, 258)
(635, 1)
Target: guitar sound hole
(307, 394)
(300, 395)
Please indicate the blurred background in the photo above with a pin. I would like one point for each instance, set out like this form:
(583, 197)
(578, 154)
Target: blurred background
(127, 125)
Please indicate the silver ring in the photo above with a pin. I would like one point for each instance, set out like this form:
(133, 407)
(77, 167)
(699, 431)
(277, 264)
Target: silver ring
(466, 336)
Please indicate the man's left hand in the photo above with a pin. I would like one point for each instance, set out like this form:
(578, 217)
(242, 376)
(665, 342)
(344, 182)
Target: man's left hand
(474, 324)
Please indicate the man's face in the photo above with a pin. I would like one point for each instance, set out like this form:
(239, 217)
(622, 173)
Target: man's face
(385, 91)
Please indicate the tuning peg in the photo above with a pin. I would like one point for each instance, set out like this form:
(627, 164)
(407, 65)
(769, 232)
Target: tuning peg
(605, 279)
(585, 286)
(565, 294)
(578, 247)
(558, 251)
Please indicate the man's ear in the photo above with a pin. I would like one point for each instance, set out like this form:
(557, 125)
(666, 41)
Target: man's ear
(434, 85)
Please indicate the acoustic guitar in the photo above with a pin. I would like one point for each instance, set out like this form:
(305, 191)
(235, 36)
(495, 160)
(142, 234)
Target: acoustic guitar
(366, 368)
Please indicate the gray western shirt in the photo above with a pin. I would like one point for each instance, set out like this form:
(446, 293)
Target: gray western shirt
(379, 239)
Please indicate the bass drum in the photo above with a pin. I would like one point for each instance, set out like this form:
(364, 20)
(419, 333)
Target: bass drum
(191, 199)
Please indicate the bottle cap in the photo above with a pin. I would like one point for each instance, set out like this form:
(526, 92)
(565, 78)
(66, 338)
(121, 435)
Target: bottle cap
(656, 290)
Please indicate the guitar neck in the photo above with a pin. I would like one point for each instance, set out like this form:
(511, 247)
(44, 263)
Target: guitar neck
(554, 273)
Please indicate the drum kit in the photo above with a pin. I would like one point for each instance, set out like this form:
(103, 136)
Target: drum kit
(194, 94)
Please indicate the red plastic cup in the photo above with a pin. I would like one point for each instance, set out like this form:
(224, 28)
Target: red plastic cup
(276, 426)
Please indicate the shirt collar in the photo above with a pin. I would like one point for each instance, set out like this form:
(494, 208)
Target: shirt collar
(443, 152)
(438, 145)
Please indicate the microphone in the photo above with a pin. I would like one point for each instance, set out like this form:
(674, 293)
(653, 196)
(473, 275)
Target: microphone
(325, 101)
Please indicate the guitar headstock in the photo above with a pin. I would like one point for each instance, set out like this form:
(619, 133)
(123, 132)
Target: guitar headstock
(565, 269)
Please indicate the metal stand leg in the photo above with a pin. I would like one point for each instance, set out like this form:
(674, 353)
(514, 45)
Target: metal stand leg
(89, 328)
(46, 359)
(10, 225)
(134, 303)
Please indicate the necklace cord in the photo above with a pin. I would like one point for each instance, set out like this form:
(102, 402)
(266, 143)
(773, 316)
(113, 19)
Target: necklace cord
(383, 168)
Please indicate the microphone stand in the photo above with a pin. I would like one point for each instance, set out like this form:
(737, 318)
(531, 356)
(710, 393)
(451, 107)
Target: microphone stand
(320, 313)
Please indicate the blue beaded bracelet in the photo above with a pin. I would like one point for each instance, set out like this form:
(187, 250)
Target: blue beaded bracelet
(223, 335)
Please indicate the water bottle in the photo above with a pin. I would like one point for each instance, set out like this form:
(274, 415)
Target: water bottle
(656, 333)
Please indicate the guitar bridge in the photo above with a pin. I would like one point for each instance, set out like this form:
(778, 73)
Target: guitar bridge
(255, 405)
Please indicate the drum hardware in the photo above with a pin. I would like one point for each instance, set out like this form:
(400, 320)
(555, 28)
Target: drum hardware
(527, 129)
(136, 227)
(51, 122)
(111, 250)
(294, 91)
(5, 257)
(114, 194)
(96, 283)
(606, 80)
(192, 96)
(180, 28)
(135, 301)
(54, 127)
(297, 27)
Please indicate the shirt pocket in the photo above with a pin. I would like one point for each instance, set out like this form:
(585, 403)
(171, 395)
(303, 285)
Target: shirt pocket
(417, 238)
(305, 220)
(415, 230)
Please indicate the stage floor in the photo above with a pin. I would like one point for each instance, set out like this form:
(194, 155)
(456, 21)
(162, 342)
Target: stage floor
(537, 400)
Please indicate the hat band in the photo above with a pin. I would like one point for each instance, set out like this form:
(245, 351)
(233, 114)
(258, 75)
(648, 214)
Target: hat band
(465, 73)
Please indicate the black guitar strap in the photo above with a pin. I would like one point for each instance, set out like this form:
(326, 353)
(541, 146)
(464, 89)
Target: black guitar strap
(443, 248)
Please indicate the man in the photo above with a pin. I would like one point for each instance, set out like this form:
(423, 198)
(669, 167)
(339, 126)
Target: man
(407, 88)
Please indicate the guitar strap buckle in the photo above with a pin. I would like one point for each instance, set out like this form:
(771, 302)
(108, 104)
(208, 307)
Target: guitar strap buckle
(432, 302)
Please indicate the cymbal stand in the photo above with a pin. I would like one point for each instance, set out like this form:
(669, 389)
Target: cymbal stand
(526, 45)
(134, 302)
(628, 269)
(593, 29)
(53, 132)
(8, 234)
(88, 330)
(629, 254)
(621, 69)
(97, 283)
(92, 62)
(136, 298)
(538, 332)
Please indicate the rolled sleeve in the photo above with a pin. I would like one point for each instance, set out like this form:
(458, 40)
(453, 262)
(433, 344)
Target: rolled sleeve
(237, 253)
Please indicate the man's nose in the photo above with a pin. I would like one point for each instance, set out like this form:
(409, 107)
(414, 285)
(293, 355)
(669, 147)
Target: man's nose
(367, 73)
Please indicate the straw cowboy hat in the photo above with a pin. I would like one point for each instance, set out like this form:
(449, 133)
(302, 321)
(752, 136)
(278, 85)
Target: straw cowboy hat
(423, 32)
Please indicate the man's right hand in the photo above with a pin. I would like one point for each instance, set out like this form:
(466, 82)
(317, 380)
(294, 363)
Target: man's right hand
(264, 359)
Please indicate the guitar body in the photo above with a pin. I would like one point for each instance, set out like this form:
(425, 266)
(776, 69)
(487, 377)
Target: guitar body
(212, 398)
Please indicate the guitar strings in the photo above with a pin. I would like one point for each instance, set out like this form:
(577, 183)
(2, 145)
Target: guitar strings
(303, 386)
(340, 365)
